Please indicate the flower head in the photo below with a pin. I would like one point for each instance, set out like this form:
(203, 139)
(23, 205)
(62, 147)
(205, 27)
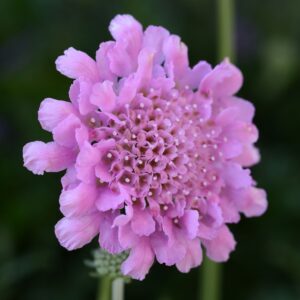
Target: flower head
(157, 153)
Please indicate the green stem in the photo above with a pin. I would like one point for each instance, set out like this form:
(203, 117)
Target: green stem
(104, 288)
(212, 272)
(118, 289)
(211, 284)
(226, 32)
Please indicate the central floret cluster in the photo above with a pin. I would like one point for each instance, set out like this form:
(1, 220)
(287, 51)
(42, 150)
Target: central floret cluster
(156, 152)
(150, 150)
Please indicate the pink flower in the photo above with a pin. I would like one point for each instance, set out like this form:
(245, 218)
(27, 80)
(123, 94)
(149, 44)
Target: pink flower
(156, 153)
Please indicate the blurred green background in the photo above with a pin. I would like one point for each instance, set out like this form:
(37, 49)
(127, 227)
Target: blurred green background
(266, 263)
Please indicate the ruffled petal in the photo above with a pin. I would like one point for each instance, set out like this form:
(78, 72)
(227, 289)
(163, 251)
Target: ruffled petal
(140, 260)
(40, 157)
(86, 160)
(144, 71)
(126, 237)
(195, 75)
(192, 257)
(75, 64)
(154, 38)
(123, 27)
(103, 96)
(176, 58)
(52, 112)
(206, 232)
(253, 203)
(64, 133)
(128, 34)
(78, 201)
(231, 149)
(103, 62)
(245, 133)
(224, 80)
(109, 199)
(219, 248)
(249, 156)
(166, 253)
(246, 109)
(190, 223)
(69, 180)
(80, 93)
(108, 237)
(235, 176)
(142, 223)
(230, 212)
(82, 135)
(104, 164)
(74, 233)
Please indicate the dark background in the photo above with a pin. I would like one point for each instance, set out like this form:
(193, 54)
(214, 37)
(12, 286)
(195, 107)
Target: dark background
(266, 263)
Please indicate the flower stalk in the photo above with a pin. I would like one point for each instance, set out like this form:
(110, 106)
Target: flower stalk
(118, 289)
(226, 24)
(104, 288)
(211, 284)
(211, 271)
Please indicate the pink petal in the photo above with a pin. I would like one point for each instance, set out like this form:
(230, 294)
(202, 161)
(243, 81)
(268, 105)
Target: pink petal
(235, 176)
(154, 38)
(74, 233)
(122, 219)
(80, 95)
(122, 27)
(121, 64)
(128, 33)
(176, 59)
(103, 96)
(168, 229)
(144, 71)
(195, 75)
(219, 248)
(74, 91)
(127, 237)
(249, 156)
(108, 199)
(87, 158)
(40, 157)
(64, 133)
(140, 260)
(190, 222)
(230, 212)
(231, 149)
(70, 178)
(206, 232)
(82, 135)
(103, 61)
(128, 90)
(192, 258)
(78, 201)
(254, 202)
(245, 108)
(75, 64)
(215, 214)
(245, 133)
(227, 116)
(166, 253)
(142, 223)
(108, 238)
(102, 170)
(239, 110)
(52, 112)
(224, 80)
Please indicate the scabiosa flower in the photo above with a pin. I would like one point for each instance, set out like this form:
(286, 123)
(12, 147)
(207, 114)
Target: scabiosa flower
(156, 153)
